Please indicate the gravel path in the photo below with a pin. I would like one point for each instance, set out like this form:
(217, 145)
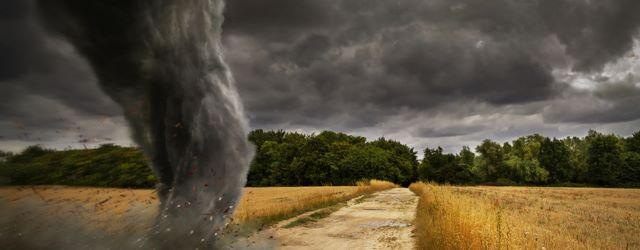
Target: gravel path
(382, 221)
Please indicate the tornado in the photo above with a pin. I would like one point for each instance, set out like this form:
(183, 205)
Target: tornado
(162, 62)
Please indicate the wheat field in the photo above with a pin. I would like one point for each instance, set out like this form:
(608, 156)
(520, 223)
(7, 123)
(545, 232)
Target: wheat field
(277, 202)
(451, 217)
(114, 210)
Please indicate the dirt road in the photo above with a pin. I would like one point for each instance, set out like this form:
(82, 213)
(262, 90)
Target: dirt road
(383, 220)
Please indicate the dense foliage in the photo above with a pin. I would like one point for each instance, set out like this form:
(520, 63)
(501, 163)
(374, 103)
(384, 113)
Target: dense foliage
(294, 159)
(106, 166)
(597, 159)
(282, 159)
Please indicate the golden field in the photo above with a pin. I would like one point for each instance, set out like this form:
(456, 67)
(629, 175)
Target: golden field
(275, 202)
(451, 217)
(114, 210)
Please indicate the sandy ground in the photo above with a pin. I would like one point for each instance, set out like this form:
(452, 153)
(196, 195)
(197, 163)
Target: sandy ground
(105, 209)
(55, 217)
(382, 221)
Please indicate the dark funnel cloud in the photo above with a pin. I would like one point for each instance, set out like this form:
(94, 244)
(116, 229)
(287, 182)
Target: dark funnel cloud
(161, 62)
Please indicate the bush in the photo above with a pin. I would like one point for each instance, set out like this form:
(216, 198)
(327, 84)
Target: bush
(505, 182)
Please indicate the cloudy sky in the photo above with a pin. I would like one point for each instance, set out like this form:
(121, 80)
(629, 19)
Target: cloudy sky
(424, 72)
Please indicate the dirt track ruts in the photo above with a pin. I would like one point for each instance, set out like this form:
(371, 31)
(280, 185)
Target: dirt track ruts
(382, 221)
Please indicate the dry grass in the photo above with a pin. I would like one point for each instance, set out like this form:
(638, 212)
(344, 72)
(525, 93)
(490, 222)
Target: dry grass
(283, 202)
(105, 209)
(114, 210)
(527, 218)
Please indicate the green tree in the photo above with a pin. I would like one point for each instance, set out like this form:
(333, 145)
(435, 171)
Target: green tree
(403, 157)
(604, 158)
(525, 170)
(633, 142)
(555, 158)
(444, 168)
(467, 157)
(491, 160)
(578, 151)
(631, 161)
(630, 169)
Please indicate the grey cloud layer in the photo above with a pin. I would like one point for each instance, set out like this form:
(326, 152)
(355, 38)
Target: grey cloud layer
(309, 62)
(47, 89)
(356, 65)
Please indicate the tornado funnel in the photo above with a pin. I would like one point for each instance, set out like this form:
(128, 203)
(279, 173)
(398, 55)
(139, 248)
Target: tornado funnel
(162, 62)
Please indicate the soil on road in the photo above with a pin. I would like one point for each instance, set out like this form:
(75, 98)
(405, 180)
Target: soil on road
(383, 220)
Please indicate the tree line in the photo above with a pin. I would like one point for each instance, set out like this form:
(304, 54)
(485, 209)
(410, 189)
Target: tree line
(597, 159)
(294, 159)
(332, 158)
(106, 166)
(328, 158)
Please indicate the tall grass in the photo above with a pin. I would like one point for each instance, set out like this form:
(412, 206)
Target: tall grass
(264, 206)
(113, 210)
(370, 186)
(526, 218)
(283, 202)
(446, 219)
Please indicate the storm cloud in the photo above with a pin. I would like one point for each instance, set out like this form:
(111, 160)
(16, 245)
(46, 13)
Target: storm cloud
(447, 72)
(403, 68)
(48, 91)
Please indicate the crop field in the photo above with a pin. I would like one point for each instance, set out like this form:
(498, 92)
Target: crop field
(113, 210)
(280, 202)
(447, 217)
(451, 217)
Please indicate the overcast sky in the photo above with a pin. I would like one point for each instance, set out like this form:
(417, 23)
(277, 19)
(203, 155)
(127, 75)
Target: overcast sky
(424, 72)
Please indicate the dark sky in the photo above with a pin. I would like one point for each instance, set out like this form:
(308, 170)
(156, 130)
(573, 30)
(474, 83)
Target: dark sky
(426, 73)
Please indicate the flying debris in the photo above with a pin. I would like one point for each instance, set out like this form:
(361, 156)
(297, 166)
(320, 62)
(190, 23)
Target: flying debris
(18, 125)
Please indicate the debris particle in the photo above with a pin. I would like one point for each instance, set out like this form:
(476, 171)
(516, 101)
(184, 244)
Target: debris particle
(105, 200)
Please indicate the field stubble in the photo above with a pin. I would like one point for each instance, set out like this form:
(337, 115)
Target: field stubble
(451, 217)
(132, 211)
